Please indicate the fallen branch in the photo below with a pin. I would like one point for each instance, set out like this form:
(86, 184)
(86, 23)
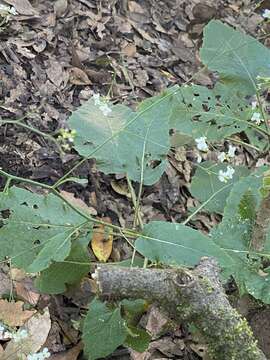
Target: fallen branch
(196, 296)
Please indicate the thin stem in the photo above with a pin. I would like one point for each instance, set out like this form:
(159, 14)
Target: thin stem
(205, 203)
(27, 181)
(244, 144)
(28, 127)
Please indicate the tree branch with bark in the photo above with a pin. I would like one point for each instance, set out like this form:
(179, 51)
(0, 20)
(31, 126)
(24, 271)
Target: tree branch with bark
(195, 296)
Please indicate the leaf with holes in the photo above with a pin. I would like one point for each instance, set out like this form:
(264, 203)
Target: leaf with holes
(123, 141)
(238, 58)
(36, 229)
(215, 113)
(234, 235)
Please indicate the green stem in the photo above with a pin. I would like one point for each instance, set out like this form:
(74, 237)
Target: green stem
(244, 144)
(205, 203)
(28, 127)
(27, 181)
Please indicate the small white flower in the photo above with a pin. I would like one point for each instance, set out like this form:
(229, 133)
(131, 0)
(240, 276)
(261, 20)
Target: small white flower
(199, 158)
(231, 151)
(44, 354)
(20, 335)
(256, 117)
(96, 98)
(201, 144)
(8, 9)
(222, 156)
(253, 105)
(224, 176)
(266, 14)
(105, 109)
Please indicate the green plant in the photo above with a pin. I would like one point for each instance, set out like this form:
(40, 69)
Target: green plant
(48, 235)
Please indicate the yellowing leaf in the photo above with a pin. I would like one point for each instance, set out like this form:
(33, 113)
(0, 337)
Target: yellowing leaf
(102, 241)
(121, 188)
(12, 313)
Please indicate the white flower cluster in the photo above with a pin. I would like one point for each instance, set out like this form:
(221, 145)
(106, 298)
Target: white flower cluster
(256, 116)
(16, 336)
(201, 144)
(224, 176)
(266, 14)
(44, 354)
(103, 106)
(7, 10)
(66, 137)
(230, 154)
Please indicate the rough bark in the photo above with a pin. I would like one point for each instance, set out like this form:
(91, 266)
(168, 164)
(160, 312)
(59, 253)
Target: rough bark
(196, 296)
(261, 226)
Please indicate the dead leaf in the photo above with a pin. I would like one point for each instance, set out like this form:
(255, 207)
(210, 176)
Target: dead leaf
(121, 188)
(199, 349)
(203, 12)
(24, 286)
(78, 77)
(129, 50)
(157, 323)
(71, 354)
(135, 7)
(38, 328)
(55, 73)
(23, 7)
(60, 7)
(5, 284)
(12, 313)
(102, 241)
(78, 203)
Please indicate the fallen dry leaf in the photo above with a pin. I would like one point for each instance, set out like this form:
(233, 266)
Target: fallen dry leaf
(129, 50)
(23, 7)
(12, 313)
(121, 188)
(38, 328)
(78, 77)
(5, 284)
(24, 286)
(71, 354)
(81, 205)
(102, 241)
(60, 7)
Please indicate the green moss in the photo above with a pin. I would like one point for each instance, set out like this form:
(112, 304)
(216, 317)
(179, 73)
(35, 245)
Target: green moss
(206, 284)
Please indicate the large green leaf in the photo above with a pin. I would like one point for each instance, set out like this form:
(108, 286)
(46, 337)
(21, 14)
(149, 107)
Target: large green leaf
(234, 233)
(215, 113)
(36, 229)
(237, 57)
(59, 275)
(103, 331)
(177, 244)
(205, 184)
(124, 141)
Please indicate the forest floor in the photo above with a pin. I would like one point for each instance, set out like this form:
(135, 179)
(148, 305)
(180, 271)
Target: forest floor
(54, 55)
